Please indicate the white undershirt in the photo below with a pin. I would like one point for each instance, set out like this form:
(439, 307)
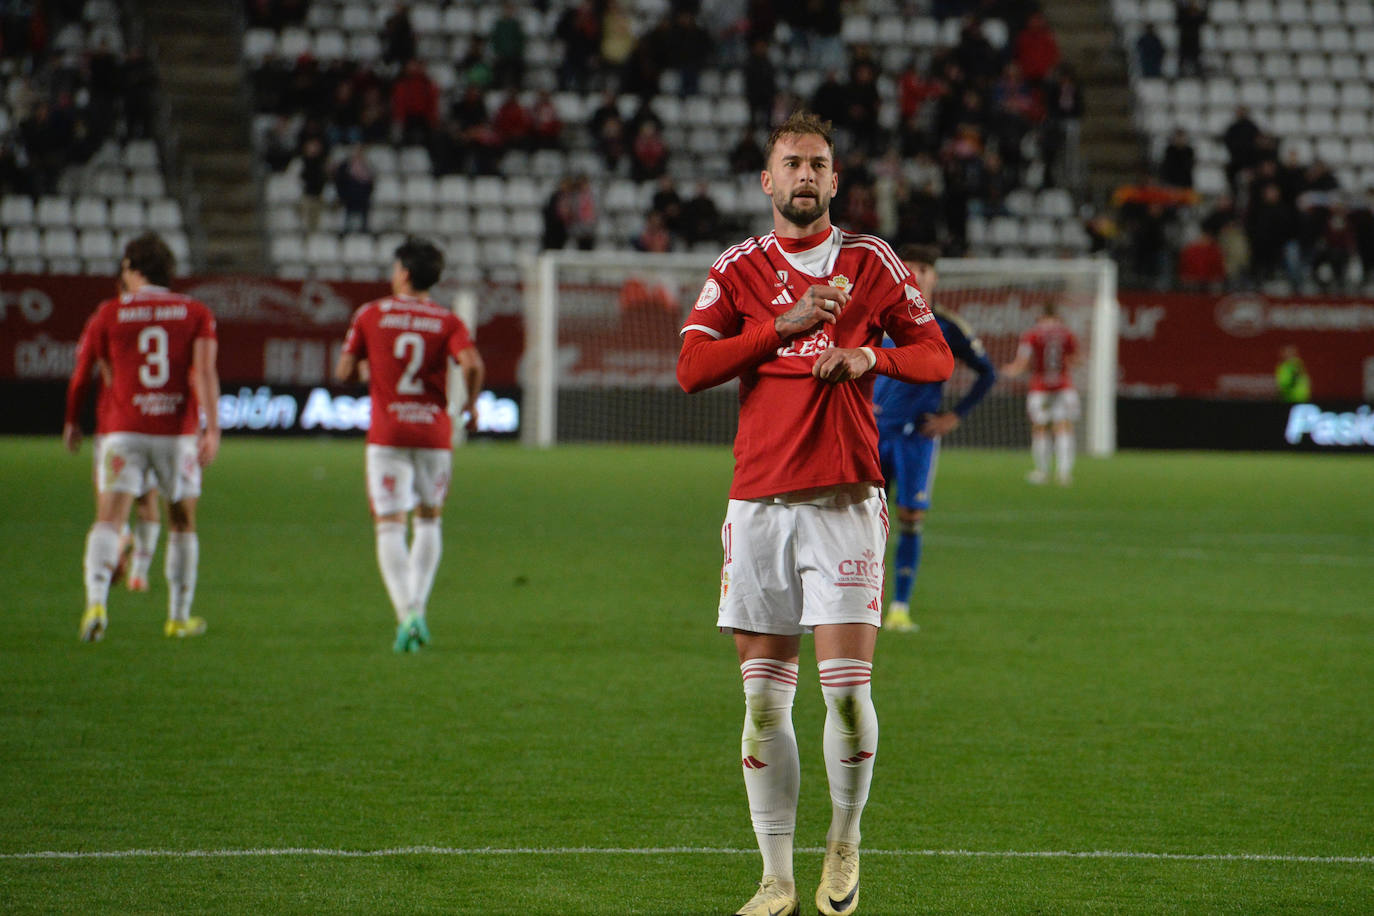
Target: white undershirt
(818, 261)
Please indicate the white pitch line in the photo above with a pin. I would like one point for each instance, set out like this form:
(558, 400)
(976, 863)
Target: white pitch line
(672, 850)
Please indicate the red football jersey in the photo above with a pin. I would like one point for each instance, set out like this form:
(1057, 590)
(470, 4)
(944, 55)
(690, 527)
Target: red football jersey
(1049, 345)
(407, 342)
(796, 431)
(147, 339)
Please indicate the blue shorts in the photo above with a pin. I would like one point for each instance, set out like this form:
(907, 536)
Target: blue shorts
(909, 461)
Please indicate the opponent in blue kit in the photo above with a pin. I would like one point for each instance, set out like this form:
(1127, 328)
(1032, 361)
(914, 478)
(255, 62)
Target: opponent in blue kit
(911, 420)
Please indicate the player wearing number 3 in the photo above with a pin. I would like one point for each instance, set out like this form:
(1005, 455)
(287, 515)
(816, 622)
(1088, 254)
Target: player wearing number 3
(159, 348)
(407, 340)
(798, 316)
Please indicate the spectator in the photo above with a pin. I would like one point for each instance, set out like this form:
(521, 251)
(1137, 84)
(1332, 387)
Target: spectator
(398, 37)
(1060, 148)
(139, 84)
(476, 136)
(46, 140)
(617, 36)
(1334, 250)
(668, 203)
(474, 69)
(649, 154)
(580, 213)
(1037, 51)
(546, 125)
(314, 177)
(1271, 225)
(760, 84)
(974, 55)
(608, 131)
(700, 216)
(829, 101)
(1150, 242)
(279, 146)
(1202, 264)
(508, 48)
(919, 215)
(512, 123)
(555, 216)
(1362, 220)
(1176, 166)
(579, 29)
(1239, 140)
(374, 121)
(686, 46)
(354, 180)
(1149, 53)
(1190, 16)
(642, 72)
(862, 105)
(414, 105)
(746, 156)
(654, 236)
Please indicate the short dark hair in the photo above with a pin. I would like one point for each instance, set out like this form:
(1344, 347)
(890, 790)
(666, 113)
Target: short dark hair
(422, 260)
(799, 124)
(920, 254)
(149, 255)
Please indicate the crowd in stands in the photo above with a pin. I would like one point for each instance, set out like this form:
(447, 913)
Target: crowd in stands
(66, 92)
(1283, 220)
(973, 121)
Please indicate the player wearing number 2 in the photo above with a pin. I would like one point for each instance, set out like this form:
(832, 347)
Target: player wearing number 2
(407, 340)
(799, 316)
(160, 349)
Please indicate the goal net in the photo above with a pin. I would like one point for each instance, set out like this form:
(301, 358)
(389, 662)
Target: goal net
(602, 343)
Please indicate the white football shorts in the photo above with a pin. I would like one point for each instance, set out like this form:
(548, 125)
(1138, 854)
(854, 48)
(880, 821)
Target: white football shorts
(149, 478)
(791, 566)
(1046, 407)
(127, 460)
(399, 479)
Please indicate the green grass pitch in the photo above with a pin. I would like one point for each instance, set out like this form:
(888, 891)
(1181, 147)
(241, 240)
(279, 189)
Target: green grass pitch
(1150, 693)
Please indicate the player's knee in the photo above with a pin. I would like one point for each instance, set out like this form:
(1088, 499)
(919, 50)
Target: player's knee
(910, 521)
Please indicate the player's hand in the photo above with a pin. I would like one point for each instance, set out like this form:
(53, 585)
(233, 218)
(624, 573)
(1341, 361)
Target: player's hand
(71, 437)
(818, 305)
(208, 447)
(841, 364)
(470, 412)
(939, 424)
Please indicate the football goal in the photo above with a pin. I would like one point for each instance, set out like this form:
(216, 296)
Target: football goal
(602, 343)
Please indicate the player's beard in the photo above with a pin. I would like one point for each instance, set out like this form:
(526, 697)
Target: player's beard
(800, 217)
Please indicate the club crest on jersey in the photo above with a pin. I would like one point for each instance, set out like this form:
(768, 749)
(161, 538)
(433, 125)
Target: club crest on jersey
(389, 483)
(709, 294)
(841, 283)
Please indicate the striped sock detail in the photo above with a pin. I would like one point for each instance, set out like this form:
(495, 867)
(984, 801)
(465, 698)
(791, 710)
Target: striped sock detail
(845, 672)
(784, 673)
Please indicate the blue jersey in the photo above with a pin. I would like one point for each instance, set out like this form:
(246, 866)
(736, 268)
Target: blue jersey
(899, 406)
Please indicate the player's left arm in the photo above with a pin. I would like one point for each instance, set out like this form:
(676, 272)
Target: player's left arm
(474, 370)
(205, 385)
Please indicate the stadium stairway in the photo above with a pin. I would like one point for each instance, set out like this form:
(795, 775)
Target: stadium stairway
(1113, 152)
(198, 46)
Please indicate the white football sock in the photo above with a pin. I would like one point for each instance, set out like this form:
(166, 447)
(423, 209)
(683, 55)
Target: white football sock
(851, 741)
(772, 767)
(394, 560)
(1064, 448)
(145, 543)
(426, 547)
(102, 553)
(181, 565)
(1041, 451)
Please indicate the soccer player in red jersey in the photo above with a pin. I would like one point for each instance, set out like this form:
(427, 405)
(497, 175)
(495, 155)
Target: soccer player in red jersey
(136, 546)
(407, 340)
(161, 417)
(1050, 351)
(798, 316)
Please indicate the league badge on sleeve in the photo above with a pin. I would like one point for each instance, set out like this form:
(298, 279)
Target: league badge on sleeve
(709, 294)
(916, 305)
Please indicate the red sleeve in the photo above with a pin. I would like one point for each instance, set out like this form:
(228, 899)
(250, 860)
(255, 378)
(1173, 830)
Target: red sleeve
(354, 344)
(79, 385)
(926, 360)
(459, 340)
(706, 362)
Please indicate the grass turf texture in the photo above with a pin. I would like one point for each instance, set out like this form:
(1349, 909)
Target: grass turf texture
(1175, 656)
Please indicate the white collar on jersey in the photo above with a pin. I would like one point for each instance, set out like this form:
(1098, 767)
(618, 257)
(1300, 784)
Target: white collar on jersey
(817, 261)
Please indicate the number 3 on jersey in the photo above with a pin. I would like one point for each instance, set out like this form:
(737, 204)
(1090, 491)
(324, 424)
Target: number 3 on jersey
(156, 370)
(410, 349)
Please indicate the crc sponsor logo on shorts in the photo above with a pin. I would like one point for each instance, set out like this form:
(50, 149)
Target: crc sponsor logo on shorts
(862, 572)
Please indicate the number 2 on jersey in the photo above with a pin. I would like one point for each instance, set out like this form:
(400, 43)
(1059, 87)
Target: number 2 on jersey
(156, 369)
(410, 348)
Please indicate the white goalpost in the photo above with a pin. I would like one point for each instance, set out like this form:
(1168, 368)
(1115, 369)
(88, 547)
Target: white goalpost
(601, 344)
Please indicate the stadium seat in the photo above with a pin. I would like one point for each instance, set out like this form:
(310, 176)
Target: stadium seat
(90, 212)
(488, 191)
(140, 154)
(454, 221)
(258, 44)
(97, 249)
(454, 191)
(128, 214)
(414, 160)
(147, 185)
(1005, 230)
(419, 190)
(526, 224)
(287, 249)
(16, 210)
(420, 219)
(383, 159)
(54, 210)
(523, 191)
(1056, 203)
(491, 222)
(329, 45)
(164, 215)
(24, 242)
(386, 192)
(361, 249)
(322, 248)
